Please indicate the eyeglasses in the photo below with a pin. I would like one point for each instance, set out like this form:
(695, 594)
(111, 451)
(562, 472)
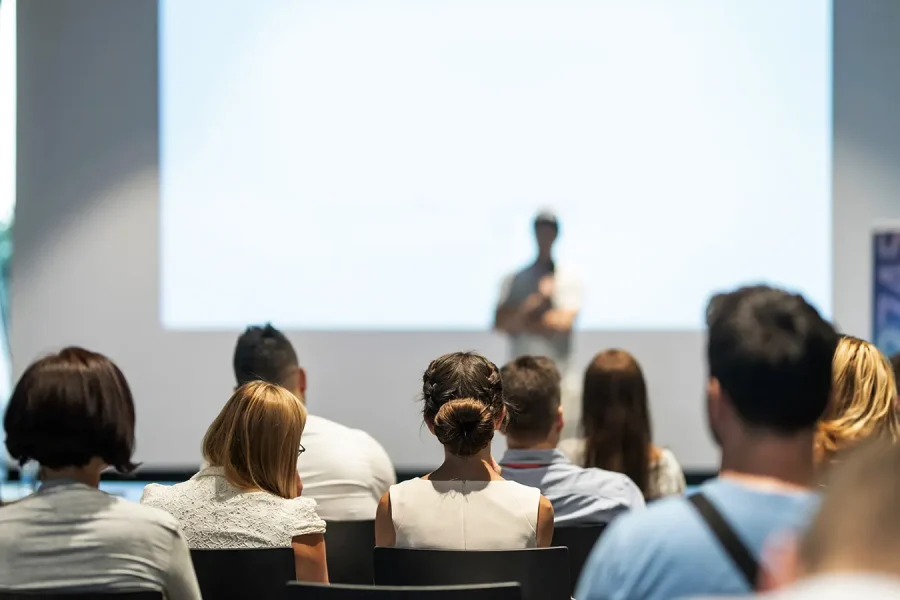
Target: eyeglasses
(301, 450)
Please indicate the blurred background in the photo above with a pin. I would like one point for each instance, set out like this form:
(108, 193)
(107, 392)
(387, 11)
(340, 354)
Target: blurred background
(363, 175)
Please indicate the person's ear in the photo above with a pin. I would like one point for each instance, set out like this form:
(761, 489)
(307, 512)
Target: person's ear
(301, 380)
(560, 420)
(500, 421)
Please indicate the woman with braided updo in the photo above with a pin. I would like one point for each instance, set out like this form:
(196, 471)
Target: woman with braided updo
(464, 504)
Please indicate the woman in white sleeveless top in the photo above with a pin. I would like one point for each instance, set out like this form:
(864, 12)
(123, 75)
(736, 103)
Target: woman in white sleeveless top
(464, 504)
(249, 495)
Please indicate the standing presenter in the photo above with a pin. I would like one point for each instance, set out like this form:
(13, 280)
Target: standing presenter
(537, 309)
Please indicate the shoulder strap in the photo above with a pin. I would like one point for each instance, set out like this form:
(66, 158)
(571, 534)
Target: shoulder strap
(740, 555)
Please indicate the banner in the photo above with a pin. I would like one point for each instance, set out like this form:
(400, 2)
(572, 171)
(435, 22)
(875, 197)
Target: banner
(886, 290)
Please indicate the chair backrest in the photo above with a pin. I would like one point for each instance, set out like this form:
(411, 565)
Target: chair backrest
(489, 591)
(543, 573)
(580, 541)
(235, 574)
(348, 548)
(61, 595)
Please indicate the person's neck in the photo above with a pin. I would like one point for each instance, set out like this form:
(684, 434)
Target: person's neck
(514, 443)
(544, 260)
(477, 467)
(88, 475)
(771, 461)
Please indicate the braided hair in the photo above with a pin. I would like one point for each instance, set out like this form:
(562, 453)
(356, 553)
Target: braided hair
(462, 398)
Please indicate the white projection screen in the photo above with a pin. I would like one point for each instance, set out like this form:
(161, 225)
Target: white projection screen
(372, 168)
(364, 174)
(382, 161)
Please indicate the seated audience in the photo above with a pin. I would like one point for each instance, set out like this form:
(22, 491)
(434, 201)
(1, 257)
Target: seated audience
(615, 422)
(769, 355)
(345, 471)
(73, 413)
(852, 545)
(531, 386)
(464, 504)
(249, 495)
(863, 400)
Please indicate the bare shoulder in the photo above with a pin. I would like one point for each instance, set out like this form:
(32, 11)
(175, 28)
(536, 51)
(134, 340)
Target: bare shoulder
(545, 508)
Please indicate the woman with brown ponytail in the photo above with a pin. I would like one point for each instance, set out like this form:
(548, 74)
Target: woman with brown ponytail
(464, 504)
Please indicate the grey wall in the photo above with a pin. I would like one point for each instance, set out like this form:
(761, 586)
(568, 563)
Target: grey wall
(866, 147)
(86, 267)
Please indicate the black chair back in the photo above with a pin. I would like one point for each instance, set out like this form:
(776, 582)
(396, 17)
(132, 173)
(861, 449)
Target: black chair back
(317, 591)
(59, 595)
(580, 541)
(543, 573)
(236, 574)
(348, 548)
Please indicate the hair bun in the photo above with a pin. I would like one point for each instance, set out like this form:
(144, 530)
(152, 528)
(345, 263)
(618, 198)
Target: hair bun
(464, 426)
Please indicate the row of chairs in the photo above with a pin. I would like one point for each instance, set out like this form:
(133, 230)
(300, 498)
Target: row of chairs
(354, 565)
(350, 550)
(315, 591)
(541, 573)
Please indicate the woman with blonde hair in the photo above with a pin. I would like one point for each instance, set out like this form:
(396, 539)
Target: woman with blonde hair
(863, 402)
(249, 495)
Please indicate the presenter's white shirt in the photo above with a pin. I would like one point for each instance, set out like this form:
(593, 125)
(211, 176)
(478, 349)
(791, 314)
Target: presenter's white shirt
(344, 470)
(567, 296)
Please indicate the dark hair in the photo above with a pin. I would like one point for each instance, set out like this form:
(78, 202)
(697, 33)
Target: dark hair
(531, 384)
(463, 396)
(771, 353)
(615, 418)
(68, 408)
(264, 354)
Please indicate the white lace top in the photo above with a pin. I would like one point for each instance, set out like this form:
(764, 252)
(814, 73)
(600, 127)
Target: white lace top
(215, 514)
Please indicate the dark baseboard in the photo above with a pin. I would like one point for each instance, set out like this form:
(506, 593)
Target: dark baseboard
(176, 475)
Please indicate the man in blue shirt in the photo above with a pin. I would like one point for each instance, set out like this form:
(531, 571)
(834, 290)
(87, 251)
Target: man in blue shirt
(769, 354)
(531, 385)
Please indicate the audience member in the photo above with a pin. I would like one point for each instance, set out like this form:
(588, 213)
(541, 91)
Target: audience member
(769, 354)
(852, 545)
(531, 386)
(249, 495)
(345, 471)
(73, 413)
(863, 400)
(615, 422)
(464, 503)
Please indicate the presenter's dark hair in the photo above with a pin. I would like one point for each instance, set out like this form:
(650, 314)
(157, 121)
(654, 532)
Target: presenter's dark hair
(462, 397)
(265, 354)
(531, 384)
(772, 354)
(615, 417)
(69, 408)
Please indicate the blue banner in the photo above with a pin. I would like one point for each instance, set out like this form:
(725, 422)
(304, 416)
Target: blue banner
(886, 291)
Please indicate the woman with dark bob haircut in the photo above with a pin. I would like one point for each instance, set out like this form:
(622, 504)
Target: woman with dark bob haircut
(73, 413)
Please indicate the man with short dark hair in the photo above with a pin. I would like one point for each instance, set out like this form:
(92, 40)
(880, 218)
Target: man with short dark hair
(344, 470)
(769, 354)
(531, 386)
